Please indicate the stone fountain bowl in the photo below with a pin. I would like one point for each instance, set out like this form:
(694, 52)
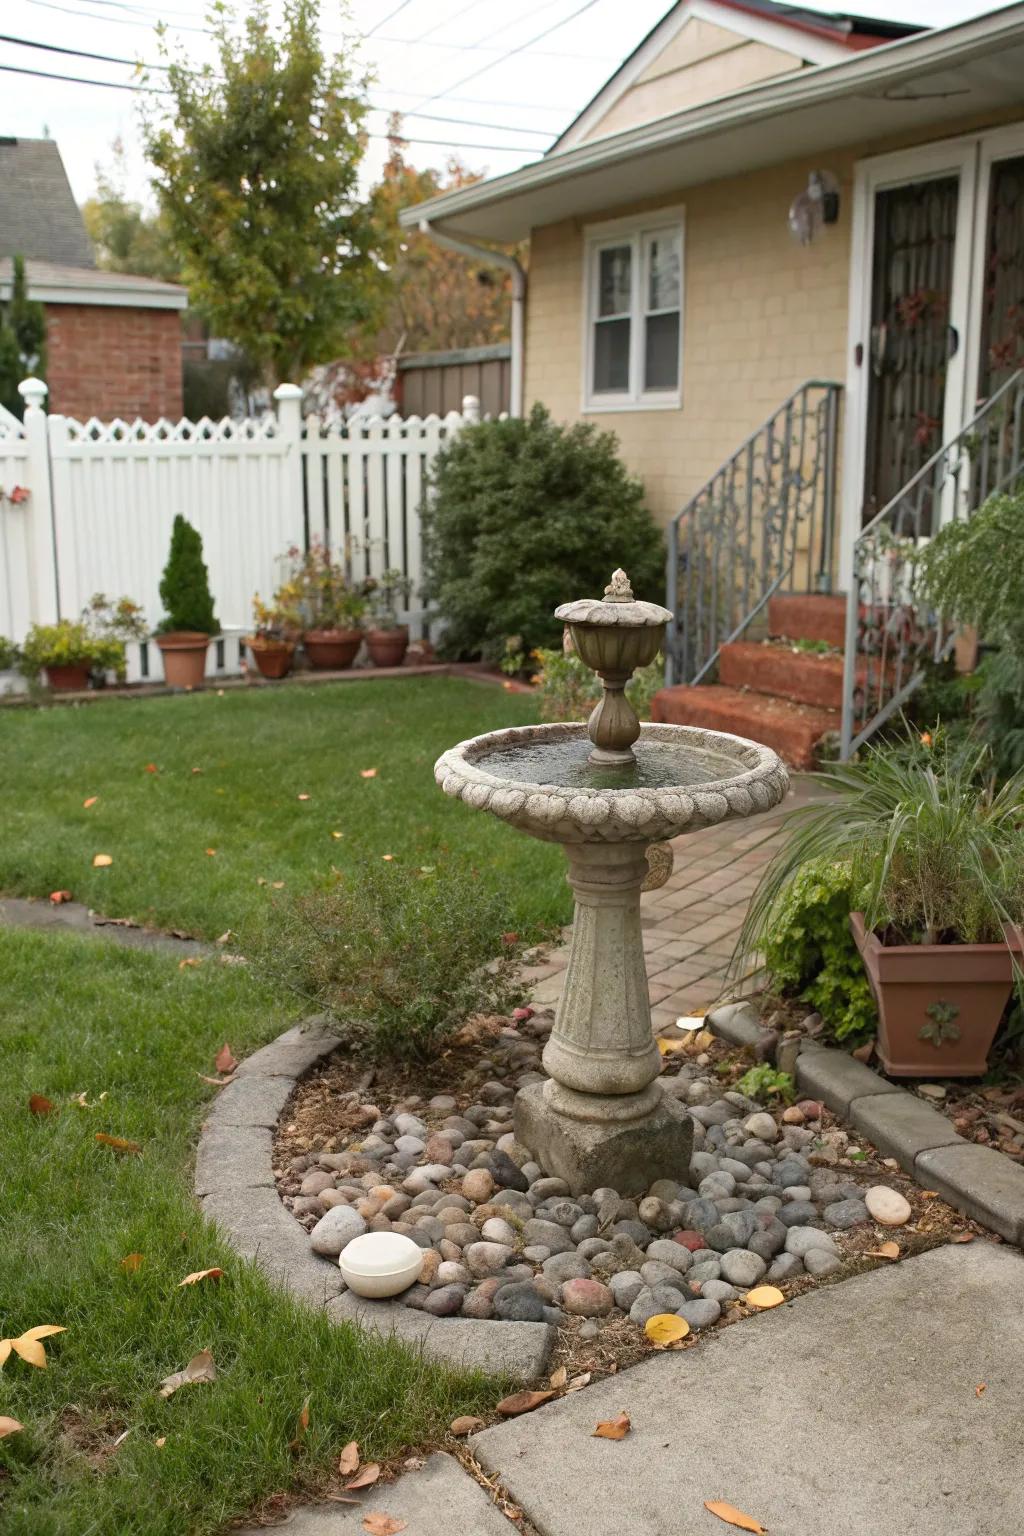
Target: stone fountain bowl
(719, 776)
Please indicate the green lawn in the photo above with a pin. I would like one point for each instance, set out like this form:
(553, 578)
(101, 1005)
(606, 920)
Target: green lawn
(83, 1015)
(256, 753)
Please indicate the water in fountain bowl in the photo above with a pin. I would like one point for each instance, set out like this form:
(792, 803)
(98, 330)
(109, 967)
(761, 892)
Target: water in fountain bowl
(565, 764)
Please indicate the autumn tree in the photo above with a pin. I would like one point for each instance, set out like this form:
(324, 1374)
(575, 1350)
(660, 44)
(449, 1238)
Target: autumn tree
(22, 340)
(255, 170)
(126, 237)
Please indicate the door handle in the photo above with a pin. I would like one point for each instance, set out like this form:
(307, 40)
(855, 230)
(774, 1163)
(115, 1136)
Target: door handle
(952, 341)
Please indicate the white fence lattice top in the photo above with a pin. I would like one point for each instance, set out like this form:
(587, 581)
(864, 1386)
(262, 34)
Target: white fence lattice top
(205, 430)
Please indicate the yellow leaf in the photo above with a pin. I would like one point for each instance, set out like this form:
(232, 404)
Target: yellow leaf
(200, 1274)
(302, 1424)
(380, 1524)
(765, 1296)
(160, 1442)
(211, 853)
(614, 1429)
(670, 1047)
(665, 1328)
(189, 963)
(387, 857)
(117, 1142)
(225, 937)
(277, 885)
(43, 1331)
(367, 773)
(5, 1349)
(337, 834)
(365, 1477)
(304, 797)
(733, 1516)
(31, 1351)
(8, 1426)
(132, 1261)
(102, 861)
(886, 1251)
(348, 1461)
(91, 801)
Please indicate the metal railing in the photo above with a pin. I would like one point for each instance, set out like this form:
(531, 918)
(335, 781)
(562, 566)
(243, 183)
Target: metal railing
(762, 524)
(890, 633)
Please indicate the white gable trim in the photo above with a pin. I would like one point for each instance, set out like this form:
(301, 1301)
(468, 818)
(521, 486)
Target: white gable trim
(745, 27)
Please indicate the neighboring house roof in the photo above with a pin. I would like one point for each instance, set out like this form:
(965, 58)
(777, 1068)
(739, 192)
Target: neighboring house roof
(53, 283)
(911, 83)
(778, 38)
(38, 214)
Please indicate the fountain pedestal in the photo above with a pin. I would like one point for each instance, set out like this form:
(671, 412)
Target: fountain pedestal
(603, 1120)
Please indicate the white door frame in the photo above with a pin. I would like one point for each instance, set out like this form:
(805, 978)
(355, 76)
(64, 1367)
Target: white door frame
(926, 162)
(997, 144)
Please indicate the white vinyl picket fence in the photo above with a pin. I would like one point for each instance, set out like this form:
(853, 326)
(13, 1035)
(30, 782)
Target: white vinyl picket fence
(103, 496)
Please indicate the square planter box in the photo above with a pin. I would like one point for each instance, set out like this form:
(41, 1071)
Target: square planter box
(939, 1005)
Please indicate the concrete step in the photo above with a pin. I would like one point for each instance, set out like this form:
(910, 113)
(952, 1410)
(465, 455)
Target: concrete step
(792, 730)
(802, 676)
(808, 618)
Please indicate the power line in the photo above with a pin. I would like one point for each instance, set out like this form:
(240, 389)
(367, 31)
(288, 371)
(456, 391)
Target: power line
(389, 17)
(519, 48)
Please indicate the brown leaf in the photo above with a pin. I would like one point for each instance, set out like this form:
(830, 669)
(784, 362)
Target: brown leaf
(201, 1274)
(864, 1052)
(58, 898)
(348, 1461)
(558, 1378)
(733, 1516)
(578, 1382)
(199, 1368)
(365, 1477)
(962, 1237)
(211, 853)
(380, 1524)
(86, 804)
(151, 768)
(522, 1402)
(117, 1142)
(132, 1261)
(215, 1082)
(614, 1429)
(189, 962)
(302, 1423)
(102, 861)
(224, 1061)
(886, 1251)
(38, 1105)
(980, 1388)
(929, 1194)
(465, 1425)
(8, 1426)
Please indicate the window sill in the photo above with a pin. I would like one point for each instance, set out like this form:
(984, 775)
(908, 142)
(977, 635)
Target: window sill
(607, 408)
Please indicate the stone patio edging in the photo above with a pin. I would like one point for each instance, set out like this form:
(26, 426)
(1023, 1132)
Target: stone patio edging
(983, 1183)
(234, 1182)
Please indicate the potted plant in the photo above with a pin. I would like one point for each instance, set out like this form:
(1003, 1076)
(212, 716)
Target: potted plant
(332, 608)
(121, 620)
(275, 632)
(388, 640)
(935, 855)
(67, 652)
(184, 635)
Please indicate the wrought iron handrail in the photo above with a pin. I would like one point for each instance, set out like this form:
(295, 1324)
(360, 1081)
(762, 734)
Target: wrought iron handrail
(762, 523)
(890, 633)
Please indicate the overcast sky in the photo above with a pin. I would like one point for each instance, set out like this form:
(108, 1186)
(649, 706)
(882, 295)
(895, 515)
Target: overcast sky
(513, 72)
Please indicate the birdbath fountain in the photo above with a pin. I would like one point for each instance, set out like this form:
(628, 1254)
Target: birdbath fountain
(606, 791)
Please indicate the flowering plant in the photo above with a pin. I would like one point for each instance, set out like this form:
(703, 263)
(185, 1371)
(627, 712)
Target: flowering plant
(323, 592)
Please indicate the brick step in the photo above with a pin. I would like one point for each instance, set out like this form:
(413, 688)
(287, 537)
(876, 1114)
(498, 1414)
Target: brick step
(801, 676)
(808, 618)
(792, 730)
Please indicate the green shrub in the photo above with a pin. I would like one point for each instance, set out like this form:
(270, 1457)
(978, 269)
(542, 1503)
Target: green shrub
(69, 644)
(567, 688)
(399, 959)
(766, 1083)
(810, 953)
(524, 515)
(185, 583)
(10, 655)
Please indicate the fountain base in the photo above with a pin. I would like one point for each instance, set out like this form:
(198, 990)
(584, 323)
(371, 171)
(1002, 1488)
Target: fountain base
(594, 1146)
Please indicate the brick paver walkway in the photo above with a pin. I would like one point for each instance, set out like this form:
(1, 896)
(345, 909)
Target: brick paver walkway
(691, 924)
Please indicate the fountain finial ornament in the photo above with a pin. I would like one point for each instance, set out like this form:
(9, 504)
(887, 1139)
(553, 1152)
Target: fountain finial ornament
(618, 589)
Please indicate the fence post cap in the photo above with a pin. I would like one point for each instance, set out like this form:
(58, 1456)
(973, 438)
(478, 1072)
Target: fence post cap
(471, 407)
(33, 392)
(288, 392)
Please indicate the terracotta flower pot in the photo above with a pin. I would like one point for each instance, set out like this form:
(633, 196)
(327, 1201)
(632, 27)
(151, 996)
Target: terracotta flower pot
(184, 657)
(387, 647)
(73, 678)
(273, 657)
(332, 650)
(939, 1005)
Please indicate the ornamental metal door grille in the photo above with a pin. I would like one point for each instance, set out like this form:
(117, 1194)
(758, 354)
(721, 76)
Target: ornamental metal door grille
(1002, 313)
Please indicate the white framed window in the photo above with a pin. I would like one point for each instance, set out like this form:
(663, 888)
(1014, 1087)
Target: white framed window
(633, 314)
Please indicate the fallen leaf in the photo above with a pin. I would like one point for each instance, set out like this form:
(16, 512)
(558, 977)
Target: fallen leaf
(522, 1402)
(578, 1382)
(764, 1296)
(211, 853)
(365, 1477)
(962, 1237)
(117, 1142)
(199, 1368)
(132, 1261)
(671, 1047)
(224, 1061)
(91, 801)
(225, 937)
(58, 898)
(979, 1389)
(215, 1082)
(733, 1516)
(303, 797)
(929, 1194)
(348, 1461)
(337, 834)
(666, 1328)
(367, 773)
(558, 1378)
(886, 1251)
(81, 1100)
(388, 858)
(102, 861)
(151, 768)
(122, 1437)
(197, 770)
(190, 962)
(160, 1442)
(302, 1423)
(465, 1425)
(614, 1429)
(864, 1052)
(28, 1347)
(277, 885)
(380, 1524)
(38, 1105)
(201, 1274)
(8, 1426)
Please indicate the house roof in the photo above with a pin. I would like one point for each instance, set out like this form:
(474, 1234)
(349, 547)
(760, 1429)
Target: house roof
(39, 217)
(910, 83)
(55, 283)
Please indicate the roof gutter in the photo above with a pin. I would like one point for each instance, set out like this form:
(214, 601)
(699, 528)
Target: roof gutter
(510, 264)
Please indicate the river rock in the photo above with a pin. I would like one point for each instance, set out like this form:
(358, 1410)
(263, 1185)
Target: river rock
(336, 1230)
(886, 1206)
(819, 1263)
(478, 1185)
(548, 1233)
(586, 1298)
(800, 1240)
(483, 1259)
(700, 1314)
(519, 1304)
(741, 1267)
(445, 1301)
(845, 1213)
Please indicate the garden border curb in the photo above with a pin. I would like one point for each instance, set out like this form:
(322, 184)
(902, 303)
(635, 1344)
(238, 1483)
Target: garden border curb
(235, 1187)
(979, 1181)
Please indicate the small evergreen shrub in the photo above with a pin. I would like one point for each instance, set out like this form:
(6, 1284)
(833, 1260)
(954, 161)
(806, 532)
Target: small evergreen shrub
(400, 959)
(810, 953)
(523, 515)
(185, 583)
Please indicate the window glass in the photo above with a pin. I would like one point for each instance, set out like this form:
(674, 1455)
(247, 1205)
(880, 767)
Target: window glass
(661, 354)
(611, 357)
(615, 275)
(663, 270)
